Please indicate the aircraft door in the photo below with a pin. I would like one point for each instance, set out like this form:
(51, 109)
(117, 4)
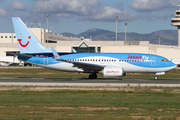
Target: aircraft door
(153, 61)
(102, 60)
(45, 60)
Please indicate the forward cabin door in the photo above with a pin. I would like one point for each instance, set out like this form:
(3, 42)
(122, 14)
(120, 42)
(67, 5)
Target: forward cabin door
(153, 61)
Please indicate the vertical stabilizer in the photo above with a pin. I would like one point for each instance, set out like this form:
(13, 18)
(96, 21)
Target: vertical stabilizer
(27, 42)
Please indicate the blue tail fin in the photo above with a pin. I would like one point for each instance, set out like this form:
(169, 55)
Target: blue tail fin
(27, 42)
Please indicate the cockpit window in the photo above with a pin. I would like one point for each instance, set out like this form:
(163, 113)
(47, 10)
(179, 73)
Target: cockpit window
(164, 60)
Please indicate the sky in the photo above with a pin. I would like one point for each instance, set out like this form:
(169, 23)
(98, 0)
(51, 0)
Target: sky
(76, 16)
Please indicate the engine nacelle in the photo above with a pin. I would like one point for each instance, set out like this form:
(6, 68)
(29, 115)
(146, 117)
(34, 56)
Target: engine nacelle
(113, 72)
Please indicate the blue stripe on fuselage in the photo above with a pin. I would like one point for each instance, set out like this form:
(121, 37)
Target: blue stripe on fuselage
(137, 59)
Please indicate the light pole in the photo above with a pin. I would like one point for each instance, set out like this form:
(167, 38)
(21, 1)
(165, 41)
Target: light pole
(125, 31)
(116, 27)
(158, 39)
(47, 16)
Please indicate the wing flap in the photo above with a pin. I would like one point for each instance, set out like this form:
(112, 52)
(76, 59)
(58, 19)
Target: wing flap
(87, 66)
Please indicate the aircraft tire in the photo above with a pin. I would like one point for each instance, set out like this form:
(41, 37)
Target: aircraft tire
(92, 76)
(155, 77)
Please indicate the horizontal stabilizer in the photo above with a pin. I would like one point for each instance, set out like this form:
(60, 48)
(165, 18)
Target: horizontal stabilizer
(19, 55)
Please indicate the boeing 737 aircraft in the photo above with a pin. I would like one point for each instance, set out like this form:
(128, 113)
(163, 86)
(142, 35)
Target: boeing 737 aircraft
(109, 64)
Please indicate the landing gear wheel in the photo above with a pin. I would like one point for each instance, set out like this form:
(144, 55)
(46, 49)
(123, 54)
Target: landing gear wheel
(92, 76)
(155, 77)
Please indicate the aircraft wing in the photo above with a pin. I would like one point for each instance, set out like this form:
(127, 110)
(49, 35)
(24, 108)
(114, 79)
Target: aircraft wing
(87, 66)
(82, 65)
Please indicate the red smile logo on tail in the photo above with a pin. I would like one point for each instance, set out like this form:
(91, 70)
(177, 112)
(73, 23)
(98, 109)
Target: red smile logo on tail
(22, 44)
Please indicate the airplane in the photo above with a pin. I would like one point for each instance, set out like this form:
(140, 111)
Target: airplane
(108, 64)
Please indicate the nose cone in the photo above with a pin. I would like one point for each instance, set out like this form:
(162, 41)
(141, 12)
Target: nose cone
(173, 65)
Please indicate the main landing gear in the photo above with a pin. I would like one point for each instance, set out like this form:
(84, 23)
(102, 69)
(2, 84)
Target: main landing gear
(93, 76)
(155, 77)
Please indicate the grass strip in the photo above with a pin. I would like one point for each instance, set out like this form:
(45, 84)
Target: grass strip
(138, 103)
(48, 73)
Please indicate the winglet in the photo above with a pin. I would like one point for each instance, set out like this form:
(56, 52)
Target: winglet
(56, 55)
(74, 51)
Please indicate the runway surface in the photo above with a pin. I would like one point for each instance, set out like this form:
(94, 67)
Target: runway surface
(90, 82)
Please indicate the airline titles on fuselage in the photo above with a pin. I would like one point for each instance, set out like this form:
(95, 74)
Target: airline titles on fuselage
(138, 57)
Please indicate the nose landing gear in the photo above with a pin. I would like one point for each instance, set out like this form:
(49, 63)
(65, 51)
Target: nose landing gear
(155, 77)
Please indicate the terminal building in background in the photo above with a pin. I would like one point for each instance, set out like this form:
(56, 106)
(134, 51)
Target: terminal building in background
(8, 43)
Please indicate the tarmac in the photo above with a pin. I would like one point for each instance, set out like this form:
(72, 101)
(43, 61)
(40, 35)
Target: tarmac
(90, 82)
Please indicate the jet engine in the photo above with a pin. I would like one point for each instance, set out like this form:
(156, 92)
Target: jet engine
(113, 72)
